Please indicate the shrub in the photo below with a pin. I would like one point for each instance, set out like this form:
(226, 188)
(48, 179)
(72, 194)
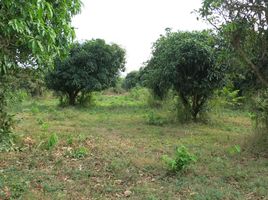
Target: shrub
(187, 63)
(227, 97)
(182, 159)
(154, 101)
(139, 93)
(154, 119)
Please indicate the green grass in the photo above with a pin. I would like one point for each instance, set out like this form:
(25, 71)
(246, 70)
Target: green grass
(109, 149)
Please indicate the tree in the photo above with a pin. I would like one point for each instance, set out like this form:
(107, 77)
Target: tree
(185, 62)
(131, 80)
(244, 24)
(91, 66)
(34, 32)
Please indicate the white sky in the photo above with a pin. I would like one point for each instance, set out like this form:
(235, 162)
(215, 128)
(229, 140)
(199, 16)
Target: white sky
(135, 24)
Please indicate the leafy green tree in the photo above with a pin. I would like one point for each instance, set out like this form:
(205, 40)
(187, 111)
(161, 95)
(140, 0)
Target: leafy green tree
(131, 80)
(91, 66)
(33, 32)
(244, 24)
(185, 62)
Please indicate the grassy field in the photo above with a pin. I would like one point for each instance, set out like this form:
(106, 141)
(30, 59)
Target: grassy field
(109, 151)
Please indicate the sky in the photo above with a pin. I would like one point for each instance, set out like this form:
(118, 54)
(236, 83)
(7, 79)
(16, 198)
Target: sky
(135, 24)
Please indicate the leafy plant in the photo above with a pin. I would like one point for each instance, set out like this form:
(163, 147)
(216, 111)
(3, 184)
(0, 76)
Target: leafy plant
(34, 108)
(44, 126)
(81, 152)
(154, 119)
(69, 140)
(52, 141)
(34, 42)
(182, 159)
(233, 150)
(227, 97)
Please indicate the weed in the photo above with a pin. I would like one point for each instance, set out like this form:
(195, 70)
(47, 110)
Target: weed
(181, 161)
(80, 152)
(35, 109)
(52, 141)
(44, 126)
(40, 121)
(233, 150)
(69, 140)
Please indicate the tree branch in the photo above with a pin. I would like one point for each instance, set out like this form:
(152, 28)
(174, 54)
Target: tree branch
(256, 70)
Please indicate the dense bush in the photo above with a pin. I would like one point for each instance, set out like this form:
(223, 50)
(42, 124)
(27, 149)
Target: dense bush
(187, 63)
(131, 80)
(91, 66)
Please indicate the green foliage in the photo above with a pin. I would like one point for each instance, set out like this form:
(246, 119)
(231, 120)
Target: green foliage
(232, 97)
(183, 114)
(16, 97)
(70, 140)
(233, 150)
(86, 99)
(52, 141)
(139, 93)
(154, 119)
(27, 79)
(6, 121)
(186, 62)
(260, 108)
(34, 108)
(182, 159)
(6, 138)
(91, 66)
(33, 32)
(117, 88)
(78, 153)
(227, 97)
(153, 101)
(131, 80)
(244, 28)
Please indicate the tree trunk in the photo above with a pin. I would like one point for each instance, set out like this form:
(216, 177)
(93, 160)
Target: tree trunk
(255, 69)
(194, 115)
(72, 98)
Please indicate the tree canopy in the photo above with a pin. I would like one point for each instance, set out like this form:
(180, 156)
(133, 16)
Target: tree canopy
(34, 32)
(244, 24)
(131, 80)
(185, 62)
(90, 66)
